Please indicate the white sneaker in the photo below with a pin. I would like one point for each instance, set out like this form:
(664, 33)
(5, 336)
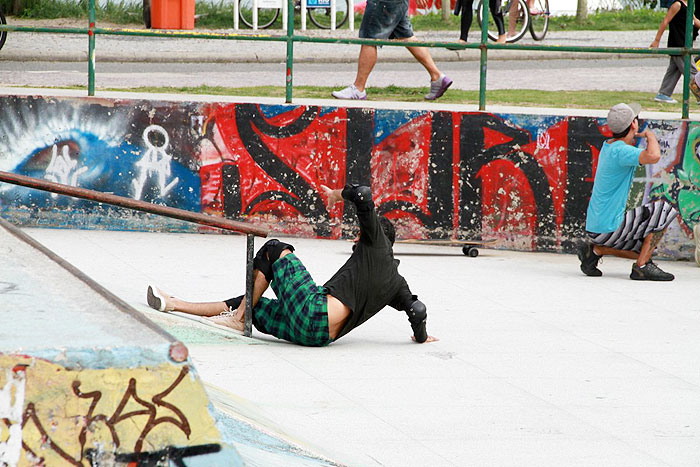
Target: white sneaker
(351, 92)
(156, 299)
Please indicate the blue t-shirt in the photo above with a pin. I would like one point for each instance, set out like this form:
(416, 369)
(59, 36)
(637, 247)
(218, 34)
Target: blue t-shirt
(613, 179)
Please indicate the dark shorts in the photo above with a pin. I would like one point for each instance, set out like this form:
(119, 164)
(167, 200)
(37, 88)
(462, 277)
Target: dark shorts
(300, 312)
(638, 223)
(386, 19)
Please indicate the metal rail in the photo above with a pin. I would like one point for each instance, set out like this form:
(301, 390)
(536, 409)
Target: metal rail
(251, 231)
(290, 38)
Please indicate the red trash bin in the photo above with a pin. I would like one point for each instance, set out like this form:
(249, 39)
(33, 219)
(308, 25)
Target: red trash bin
(172, 14)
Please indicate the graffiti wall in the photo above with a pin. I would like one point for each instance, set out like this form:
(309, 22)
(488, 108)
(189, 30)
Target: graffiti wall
(53, 415)
(522, 179)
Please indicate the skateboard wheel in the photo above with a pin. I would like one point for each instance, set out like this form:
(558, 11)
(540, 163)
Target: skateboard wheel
(466, 249)
(473, 253)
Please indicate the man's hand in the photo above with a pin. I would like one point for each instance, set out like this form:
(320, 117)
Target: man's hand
(332, 196)
(654, 44)
(429, 339)
(645, 134)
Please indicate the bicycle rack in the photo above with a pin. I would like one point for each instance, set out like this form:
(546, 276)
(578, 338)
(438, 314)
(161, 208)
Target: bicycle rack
(285, 12)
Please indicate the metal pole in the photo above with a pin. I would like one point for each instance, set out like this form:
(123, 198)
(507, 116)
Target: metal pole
(484, 52)
(290, 48)
(99, 197)
(250, 245)
(334, 9)
(686, 58)
(91, 48)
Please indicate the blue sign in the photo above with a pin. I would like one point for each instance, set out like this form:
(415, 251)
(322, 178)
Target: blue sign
(318, 3)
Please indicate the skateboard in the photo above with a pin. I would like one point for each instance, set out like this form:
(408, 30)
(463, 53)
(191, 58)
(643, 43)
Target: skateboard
(469, 247)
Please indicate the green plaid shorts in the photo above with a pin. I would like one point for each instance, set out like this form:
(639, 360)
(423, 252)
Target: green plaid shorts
(300, 312)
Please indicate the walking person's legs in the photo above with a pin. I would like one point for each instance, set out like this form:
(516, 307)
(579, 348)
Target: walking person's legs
(669, 81)
(466, 20)
(365, 65)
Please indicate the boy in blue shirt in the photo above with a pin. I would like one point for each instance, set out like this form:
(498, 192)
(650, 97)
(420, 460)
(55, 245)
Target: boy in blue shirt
(612, 231)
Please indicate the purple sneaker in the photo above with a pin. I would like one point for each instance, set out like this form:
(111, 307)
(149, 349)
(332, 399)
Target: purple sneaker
(438, 87)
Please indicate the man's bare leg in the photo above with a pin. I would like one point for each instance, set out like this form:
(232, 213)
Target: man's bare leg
(650, 243)
(237, 319)
(422, 55)
(176, 304)
(365, 65)
(260, 285)
(607, 251)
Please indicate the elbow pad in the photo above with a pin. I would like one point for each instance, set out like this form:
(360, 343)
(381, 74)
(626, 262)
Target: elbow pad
(361, 196)
(417, 315)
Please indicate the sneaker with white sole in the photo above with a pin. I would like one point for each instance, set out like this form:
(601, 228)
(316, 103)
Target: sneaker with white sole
(665, 99)
(438, 87)
(351, 92)
(157, 299)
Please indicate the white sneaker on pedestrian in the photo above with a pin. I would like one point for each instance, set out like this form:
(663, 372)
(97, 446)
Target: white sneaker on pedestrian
(351, 92)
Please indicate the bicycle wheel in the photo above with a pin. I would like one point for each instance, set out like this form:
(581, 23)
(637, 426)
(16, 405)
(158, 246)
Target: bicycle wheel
(321, 17)
(266, 16)
(515, 17)
(3, 34)
(539, 19)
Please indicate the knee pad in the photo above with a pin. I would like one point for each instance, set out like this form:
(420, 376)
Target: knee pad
(267, 255)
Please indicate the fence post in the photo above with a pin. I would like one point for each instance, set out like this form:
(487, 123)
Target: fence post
(236, 15)
(687, 58)
(91, 48)
(483, 56)
(290, 47)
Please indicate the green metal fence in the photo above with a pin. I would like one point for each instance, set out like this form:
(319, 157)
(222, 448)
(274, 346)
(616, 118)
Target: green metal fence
(290, 38)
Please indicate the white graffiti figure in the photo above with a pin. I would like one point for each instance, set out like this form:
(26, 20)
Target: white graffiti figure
(61, 169)
(543, 139)
(11, 405)
(156, 162)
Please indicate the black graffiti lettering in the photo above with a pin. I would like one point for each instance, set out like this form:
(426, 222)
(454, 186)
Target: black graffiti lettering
(473, 157)
(171, 454)
(250, 123)
(584, 134)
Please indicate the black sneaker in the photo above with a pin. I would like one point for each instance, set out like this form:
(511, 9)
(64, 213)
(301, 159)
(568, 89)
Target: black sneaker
(649, 272)
(589, 260)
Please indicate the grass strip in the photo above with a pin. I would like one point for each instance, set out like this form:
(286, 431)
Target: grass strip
(602, 100)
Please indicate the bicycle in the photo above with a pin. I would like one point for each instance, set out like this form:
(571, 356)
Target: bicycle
(3, 34)
(519, 18)
(319, 12)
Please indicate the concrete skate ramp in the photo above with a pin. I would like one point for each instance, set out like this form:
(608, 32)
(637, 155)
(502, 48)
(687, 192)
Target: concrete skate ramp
(87, 380)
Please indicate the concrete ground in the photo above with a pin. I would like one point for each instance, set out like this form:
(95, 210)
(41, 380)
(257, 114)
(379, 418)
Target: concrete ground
(537, 364)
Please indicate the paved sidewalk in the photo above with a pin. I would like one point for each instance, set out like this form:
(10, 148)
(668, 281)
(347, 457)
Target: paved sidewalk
(538, 365)
(73, 47)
